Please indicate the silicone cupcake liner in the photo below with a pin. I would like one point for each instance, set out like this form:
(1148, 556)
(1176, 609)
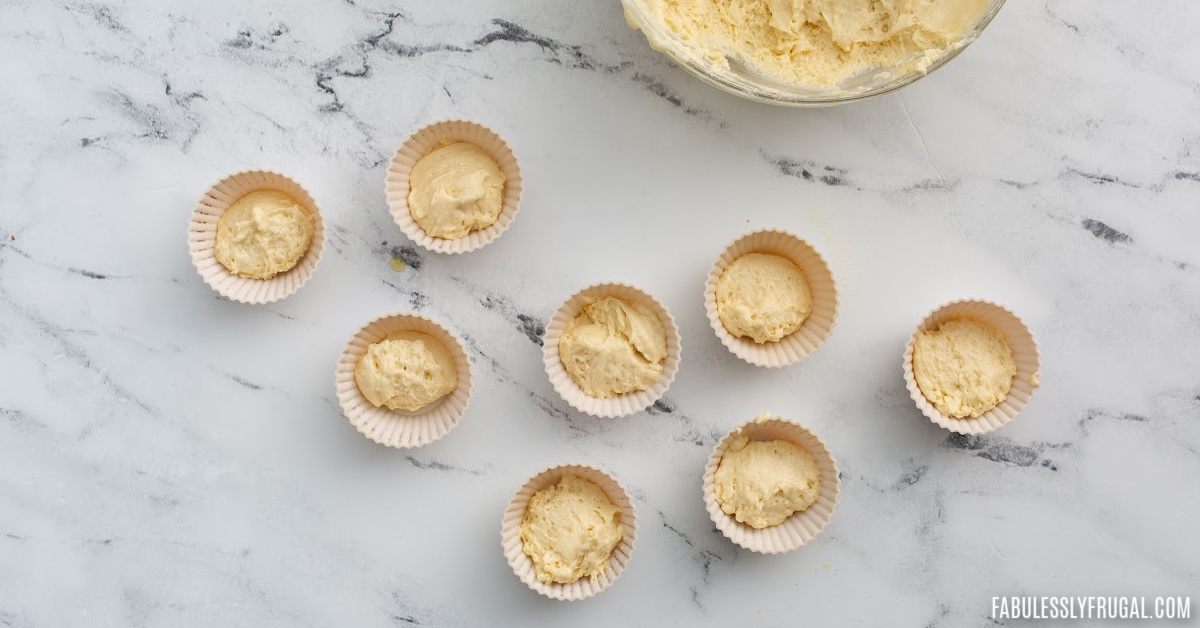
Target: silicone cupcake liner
(801, 527)
(400, 428)
(202, 238)
(1025, 354)
(621, 405)
(522, 565)
(816, 328)
(425, 141)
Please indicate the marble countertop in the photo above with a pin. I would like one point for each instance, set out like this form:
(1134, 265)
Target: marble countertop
(171, 458)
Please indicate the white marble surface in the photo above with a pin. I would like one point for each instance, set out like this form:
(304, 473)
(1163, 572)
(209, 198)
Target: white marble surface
(170, 458)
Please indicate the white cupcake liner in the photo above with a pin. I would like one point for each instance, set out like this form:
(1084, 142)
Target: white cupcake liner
(621, 405)
(801, 527)
(522, 565)
(401, 429)
(424, 142)
(202, 238)
(1025, 354)
(815, 329)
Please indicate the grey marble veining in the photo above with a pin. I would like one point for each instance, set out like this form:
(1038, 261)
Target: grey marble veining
(170, 458)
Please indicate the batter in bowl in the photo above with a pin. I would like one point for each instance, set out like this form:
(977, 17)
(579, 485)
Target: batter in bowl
(819, 43)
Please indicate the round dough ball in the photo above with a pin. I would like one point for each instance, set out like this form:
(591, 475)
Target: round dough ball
(454, 190)
(762, 483)
(763, 297)
(408, 370)
(264, 233)
(613, 347)
(569, 530)
(964, 367)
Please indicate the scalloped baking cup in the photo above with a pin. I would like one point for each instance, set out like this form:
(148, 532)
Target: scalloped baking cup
(1025, 354)
(202, 238)
(621, 405)
(522, 565)
(815, 329)
(801, 527)
(401, 429)
(425, 141)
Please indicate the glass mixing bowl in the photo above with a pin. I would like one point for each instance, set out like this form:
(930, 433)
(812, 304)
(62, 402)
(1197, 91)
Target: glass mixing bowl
(740, 80)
